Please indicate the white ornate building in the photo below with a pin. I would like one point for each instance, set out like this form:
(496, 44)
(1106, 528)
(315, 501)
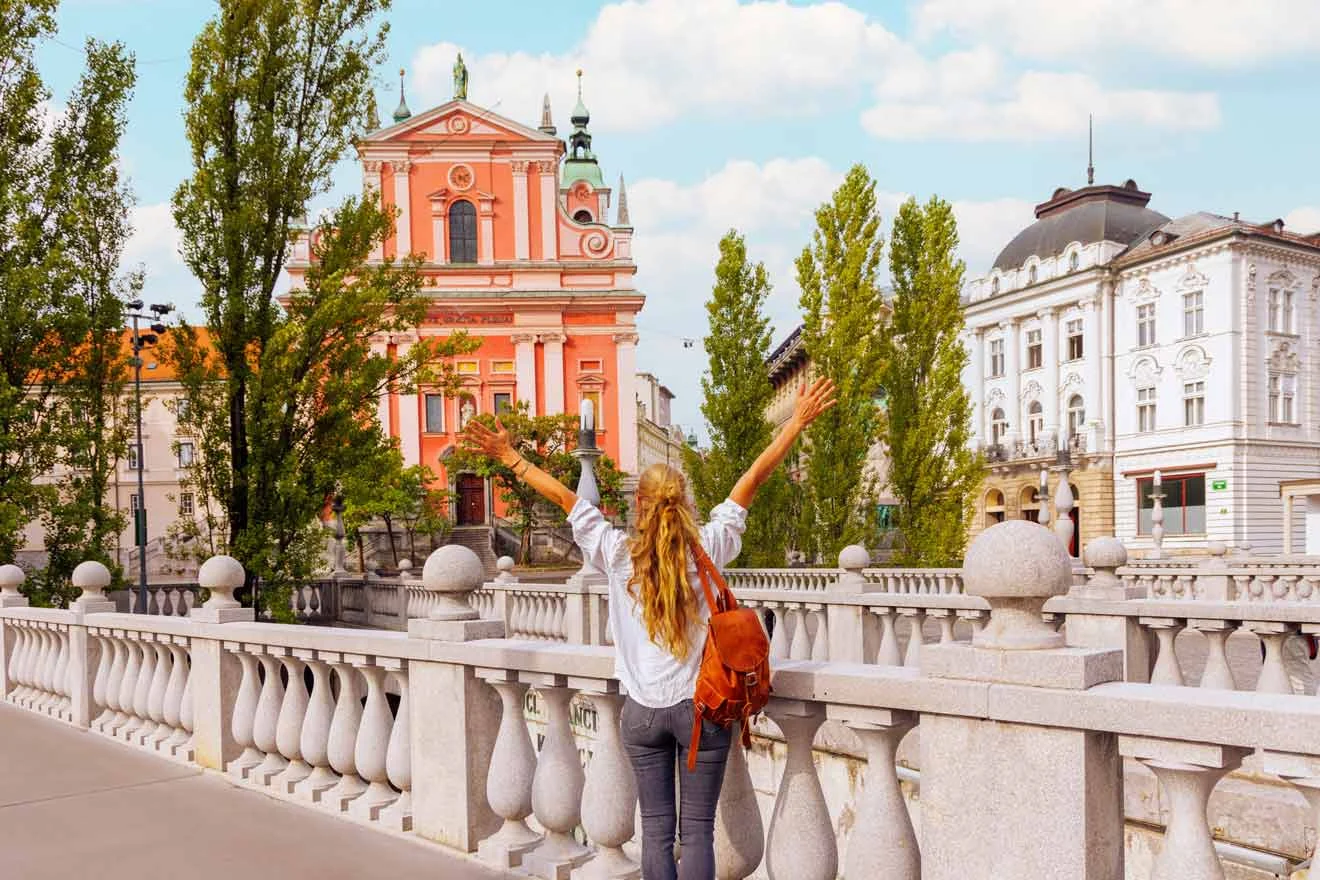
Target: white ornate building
(1136, 343)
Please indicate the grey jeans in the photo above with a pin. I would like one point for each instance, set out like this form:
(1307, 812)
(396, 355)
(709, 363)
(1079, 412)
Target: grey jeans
(655, 740)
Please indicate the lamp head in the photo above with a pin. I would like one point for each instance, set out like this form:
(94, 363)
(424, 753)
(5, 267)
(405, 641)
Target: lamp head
(134, 304)
(158, 327)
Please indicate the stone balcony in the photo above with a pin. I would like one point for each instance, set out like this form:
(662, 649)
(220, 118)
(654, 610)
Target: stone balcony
(1014, 719)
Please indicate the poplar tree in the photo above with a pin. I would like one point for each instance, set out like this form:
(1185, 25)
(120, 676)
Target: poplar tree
(842, 332)
(736, 391)
(933, 473)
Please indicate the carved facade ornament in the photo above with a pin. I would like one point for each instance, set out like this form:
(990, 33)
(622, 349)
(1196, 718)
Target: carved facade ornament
(1073, 380)
(1192, 279)
(519, 166)
(1251, 285)
(595, 243)
(1033, 391)
(1145, 371)
(545, 166)
(1285, 359)
(996, 396)
(1315, 288)
(1145, 292)
(460, 177)
(1283, 279)
(459, 124)
(371, 166)
(401, 166)
(1192, 363)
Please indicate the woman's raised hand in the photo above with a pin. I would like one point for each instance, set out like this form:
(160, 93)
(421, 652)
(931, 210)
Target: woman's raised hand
(813, 401)
(493, 443)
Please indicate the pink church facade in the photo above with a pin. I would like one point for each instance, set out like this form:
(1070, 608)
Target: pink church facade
(513, 226)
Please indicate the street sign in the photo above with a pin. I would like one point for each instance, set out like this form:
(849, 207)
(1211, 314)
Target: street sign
(1219, 485)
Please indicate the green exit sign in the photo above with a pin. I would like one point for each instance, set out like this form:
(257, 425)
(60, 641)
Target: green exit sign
(1219, 485)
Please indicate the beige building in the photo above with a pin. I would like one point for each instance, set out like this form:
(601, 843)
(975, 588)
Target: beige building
(659, 440)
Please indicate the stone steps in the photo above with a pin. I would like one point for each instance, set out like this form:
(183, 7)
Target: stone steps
(478, 539)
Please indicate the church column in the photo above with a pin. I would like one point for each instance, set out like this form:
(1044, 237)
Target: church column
(524, 365)
(371, 192)
(410, 436)
(1092, 397)
(549, 211)
(552, 345)
(379, 349)
(1049, 320)
(1012, 344)
(977, 344)
(439, 246)
(626, 348)
(486, 231)
(403, 201)
(521, 241)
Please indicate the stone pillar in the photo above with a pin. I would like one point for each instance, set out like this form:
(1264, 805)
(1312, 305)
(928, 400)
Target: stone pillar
(845, 624)
(521, 238)
(524, 364)
(1049, 321)
(546, 172)
(215, 672)
(371, 193)
(976, 342)
(1113, 631)
(439, 239)
(977, 818)
(403, 202)
(1013, 355)
(84, 655)
(458, 715)
(485, 231)
(410, 429)
(626, 348)
(552, 349)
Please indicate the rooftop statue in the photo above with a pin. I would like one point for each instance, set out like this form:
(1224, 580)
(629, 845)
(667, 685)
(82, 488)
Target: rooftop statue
(460, 78)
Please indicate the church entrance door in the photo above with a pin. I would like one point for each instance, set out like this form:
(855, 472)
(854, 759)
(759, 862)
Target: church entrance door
(471, 500)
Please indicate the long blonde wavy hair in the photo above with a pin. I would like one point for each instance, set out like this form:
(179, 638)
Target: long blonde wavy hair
(666, 528)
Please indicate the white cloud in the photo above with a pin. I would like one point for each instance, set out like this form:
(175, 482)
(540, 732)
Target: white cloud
(1037, 106)
(154, 247)
(1304, 220)
(1219, 33)
(650, 62)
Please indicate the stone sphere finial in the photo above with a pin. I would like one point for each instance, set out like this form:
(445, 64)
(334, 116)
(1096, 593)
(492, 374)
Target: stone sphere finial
(222, 575)
(1216, 548)
(92, 578)
(453, 572)
(854, 558)
(405, 567)
(1015, 566)
(1106, 552)
(11, 578)
(504, 566)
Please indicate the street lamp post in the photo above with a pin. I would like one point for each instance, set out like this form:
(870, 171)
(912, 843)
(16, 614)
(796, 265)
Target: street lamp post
(587, 453)
(140, 342)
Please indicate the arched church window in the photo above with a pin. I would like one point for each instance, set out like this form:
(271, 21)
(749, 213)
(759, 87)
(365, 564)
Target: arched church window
(582, 216)
(1076, 415)
(1036, 422)
(462, 232)
(998, 426)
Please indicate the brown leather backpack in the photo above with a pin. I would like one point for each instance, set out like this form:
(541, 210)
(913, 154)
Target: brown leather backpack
(734, 681)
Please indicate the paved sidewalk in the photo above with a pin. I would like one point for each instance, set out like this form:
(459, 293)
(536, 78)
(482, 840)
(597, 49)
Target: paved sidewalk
(76, 805)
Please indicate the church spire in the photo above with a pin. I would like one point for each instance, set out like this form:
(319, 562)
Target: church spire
(401, 112)
(1090, 150)
(581, 162)
(621, 218)
(580, 116)
(547, 124)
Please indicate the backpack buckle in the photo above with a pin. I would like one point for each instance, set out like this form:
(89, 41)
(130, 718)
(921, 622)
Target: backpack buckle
(752, 678)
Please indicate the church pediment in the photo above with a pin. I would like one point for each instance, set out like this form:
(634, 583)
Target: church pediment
(457, 121)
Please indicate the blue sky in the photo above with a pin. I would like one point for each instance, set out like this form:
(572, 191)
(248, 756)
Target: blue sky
(723, 113)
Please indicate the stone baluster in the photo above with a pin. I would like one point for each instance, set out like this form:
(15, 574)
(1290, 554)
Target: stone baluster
(60, 704)
(1157, 518)
(975, 618)
(883, 843)
(128, 691)
(37, 700)
(946, 620)
(739, 834)
(558, 631)
(342, 744)
(114, 685)
(106, 660)
(916, 638)
(1273, 671)
(398, 753)
(372, 746)
(509, 781)
(245, 713)
(1217, 674)
(46, 672)
(779, 638)
(820, 642)
(799, 645)
(556, 786)
(609, 795)
(159, 731)
(172, 707)
(801, 844)
(1303, 773)
(181, 746)
(888, 653)
(1167, 670)
(314, 739)
(289, 727)
(1187, 773)
(17, 660)
(266, 722)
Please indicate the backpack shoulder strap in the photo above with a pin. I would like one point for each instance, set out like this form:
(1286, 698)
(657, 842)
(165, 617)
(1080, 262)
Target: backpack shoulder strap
(708, 572)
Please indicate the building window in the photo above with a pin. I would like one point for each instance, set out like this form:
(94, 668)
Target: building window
(1281, 310)
(435, 413)
(594, 397)
(182, 409)
(1035, 422)
(994, 507)
(1034, 349)
(994, 285)
(1145, 325)
(1193, 404)
(1031, 274)
(1031, 504)
(1193, 313)
(1283, 397)
(467, 408)
(998, 426)
(1183, 503)
(582, 215)
(1145, 410)
(1075, 349)
(462, 232)
(1073, 261)
(133, 463)
(185, 504)
(503, 402)
(186, 453)
(591, 366)
(1076, 415)
(501, 367)
(468, 368)
(996, 358)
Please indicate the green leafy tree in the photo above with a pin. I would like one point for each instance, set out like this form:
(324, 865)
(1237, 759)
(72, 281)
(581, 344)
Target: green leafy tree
(398, 496)
(547, 442)
(932, 471)
(842, 332)
(736, 391)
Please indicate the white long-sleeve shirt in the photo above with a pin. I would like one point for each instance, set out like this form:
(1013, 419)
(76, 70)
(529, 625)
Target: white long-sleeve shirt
(650, 674)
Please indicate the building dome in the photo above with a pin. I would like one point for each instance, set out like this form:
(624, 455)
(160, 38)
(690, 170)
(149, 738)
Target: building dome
(1088, 215)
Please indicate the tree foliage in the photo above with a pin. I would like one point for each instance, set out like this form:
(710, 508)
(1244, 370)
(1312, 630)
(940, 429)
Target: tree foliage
(546, 441)
(736, 391)
(407, 497)
(842, 331)
(932, 471)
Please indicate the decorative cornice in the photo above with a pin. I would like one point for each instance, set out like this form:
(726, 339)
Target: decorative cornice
(519, 166)
(1145, 370)
(522, 338)
(554, 336)
(1192, 363)
(544, 166)
(625, 338)
(371, 166)
(401, 166)
(1192, 279)
(1033, 391)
